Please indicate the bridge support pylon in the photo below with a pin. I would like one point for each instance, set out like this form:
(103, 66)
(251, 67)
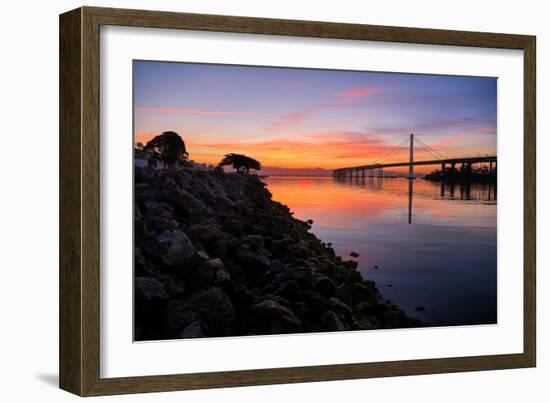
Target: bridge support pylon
(411, 157)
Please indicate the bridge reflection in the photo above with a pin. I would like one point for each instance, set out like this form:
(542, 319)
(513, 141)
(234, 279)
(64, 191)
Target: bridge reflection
(443, 190)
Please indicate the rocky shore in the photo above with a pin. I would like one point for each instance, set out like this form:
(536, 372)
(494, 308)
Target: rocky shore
(216, 256)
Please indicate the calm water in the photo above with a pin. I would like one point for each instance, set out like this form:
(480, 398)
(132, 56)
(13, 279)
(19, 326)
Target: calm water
(445, 259)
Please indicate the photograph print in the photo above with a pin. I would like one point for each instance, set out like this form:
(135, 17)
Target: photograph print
(272, 200)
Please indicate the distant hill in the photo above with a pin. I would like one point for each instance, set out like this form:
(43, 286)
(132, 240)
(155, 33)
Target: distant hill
(276, 171)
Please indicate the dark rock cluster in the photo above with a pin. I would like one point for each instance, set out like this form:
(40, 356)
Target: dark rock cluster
(216, 256)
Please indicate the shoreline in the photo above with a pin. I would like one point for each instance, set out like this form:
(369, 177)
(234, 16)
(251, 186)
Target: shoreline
(217, 256)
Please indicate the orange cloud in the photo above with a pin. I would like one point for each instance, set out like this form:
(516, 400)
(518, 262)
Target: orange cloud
(301, 151)
(194, 111)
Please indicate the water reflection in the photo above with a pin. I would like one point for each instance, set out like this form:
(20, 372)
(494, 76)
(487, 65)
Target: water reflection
(486, 191)
(433, 244)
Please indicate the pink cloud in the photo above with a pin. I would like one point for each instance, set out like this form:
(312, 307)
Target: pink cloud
(284, 122)
(194, 111)
(295, 85)
(461, 136)
(351, 94)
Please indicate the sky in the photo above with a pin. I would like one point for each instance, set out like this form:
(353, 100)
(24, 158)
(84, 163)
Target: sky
(303, 120)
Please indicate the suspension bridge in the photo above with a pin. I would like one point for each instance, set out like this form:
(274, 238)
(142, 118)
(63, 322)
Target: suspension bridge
(376, 169)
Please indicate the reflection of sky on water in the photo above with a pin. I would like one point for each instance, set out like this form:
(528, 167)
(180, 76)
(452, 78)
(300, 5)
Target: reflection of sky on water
(445, 260)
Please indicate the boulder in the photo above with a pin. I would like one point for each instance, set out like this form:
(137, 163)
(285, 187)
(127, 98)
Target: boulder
(333, 322)
(177, 247)
(151, 208)
(211, 270)
(203, 233)
(339, 307)
(325, 285)
(184, 202)
(216, 311)
(148, 288)
(191, 331)
(221, 278)
(161, 224)
(289, 289)
(233, 225)
(361, 293)
(254, 240)
(201, 277)
(252, 260)
(272, 317)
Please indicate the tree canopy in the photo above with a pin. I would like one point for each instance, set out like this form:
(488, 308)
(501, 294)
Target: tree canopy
(241, 163)
(169, 146)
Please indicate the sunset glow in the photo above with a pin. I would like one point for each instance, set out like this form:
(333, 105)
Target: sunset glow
(305, 119)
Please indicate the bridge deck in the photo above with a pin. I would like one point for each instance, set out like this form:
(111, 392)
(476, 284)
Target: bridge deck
(471, 160)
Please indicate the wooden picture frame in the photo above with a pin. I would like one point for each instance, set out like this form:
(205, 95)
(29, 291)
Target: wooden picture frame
(80, 184)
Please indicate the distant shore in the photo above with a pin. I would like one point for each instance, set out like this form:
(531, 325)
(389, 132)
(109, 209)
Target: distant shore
(216, 256)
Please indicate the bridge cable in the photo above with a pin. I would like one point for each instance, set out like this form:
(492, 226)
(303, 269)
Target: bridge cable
(430, 150)
(392, 152)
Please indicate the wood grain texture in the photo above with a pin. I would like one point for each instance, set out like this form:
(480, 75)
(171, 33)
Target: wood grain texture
(80, 200)
(70, 274)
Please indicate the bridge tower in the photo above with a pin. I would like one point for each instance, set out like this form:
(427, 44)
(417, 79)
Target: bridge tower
(411, 158)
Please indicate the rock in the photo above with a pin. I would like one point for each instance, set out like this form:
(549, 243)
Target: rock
(275, 318)
(303, 275)
(185, 202)
(361, 293)
(233, 225)
(333, 322)
(254, 240)
(354, 254)
(222, 277)
(150, 302)
(364, 308)
(343, 293)
(201, 277)
(289, 289)
(216, 311)
(140, 227)
(203, 233)
(178, 248)
(420, 308)
(203, 255)
(148, 288)
(177, 316)
(192, 331)
(151, 208)
(241, 296)
(364, 322)
(339, 307)
(315, 303)
(252, 260)
(161, 224)
(270, 309)
(325, 286)
(140, 266)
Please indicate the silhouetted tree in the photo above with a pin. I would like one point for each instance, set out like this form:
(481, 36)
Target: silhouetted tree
(169, 146)
(139, 145)
(241, 163)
